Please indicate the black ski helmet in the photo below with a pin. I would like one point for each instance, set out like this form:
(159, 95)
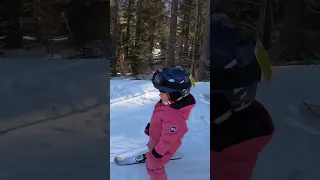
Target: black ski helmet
(174, 81)
(234, 70)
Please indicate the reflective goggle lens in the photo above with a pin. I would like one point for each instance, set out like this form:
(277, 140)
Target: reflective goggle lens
(158, 78)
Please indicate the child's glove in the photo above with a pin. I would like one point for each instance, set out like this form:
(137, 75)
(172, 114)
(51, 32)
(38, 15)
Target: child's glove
(146, 130)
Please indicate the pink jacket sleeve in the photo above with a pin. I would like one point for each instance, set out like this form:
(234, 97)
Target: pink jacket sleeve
(173, 129)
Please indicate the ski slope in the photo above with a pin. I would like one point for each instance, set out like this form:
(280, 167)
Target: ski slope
(131, 106)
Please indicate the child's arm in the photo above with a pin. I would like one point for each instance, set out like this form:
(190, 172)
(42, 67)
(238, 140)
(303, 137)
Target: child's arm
(173, 129)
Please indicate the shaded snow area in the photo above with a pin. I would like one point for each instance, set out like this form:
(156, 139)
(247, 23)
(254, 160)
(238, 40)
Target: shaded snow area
(132, 103)
(53, 119)
(293, 153)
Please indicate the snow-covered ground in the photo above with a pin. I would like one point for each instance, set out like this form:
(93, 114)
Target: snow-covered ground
(132, 103)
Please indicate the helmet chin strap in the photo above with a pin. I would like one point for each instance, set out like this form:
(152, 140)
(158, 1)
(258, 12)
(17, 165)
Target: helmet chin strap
(184, 95)
(167, 103)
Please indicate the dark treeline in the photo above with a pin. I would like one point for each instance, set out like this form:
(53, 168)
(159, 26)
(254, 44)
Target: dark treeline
(290, 29)
(24, 24)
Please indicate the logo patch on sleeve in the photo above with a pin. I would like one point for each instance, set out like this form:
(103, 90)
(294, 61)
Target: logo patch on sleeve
(173, 129)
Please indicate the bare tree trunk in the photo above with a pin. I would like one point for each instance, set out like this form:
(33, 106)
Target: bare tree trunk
(136, 61)
(261, 23)
(152, 29)
(266, 40)
(139, 19)
(193, 64)
(13, 39)
(128, 28)
(120, 57)
(36, 19)
(67, 24)
(115, 37)
(171, 47)
(290, 32)
(204, 67)
(184, 45)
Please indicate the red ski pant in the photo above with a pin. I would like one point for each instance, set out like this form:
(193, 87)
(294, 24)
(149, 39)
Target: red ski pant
(157, 174)
(237, 162)
(156, 168)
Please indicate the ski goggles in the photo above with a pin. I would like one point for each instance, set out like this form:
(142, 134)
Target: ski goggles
(159, 80)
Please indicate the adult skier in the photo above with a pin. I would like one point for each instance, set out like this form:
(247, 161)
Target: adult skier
(240, 125)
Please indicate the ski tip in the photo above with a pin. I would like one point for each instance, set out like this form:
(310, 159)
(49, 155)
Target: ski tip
(118, 159)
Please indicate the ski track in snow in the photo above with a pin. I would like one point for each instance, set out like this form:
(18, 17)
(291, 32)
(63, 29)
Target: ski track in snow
(131, 106)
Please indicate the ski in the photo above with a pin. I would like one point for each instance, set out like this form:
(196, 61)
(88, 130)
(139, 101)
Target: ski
(139, 159)
(315, 109)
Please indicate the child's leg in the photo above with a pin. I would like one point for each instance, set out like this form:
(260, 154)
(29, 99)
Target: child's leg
(238, 161)
(157, 174)
(155, 168)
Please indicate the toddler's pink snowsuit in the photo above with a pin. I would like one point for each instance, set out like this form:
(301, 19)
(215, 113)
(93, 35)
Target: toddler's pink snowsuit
(167, 127)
